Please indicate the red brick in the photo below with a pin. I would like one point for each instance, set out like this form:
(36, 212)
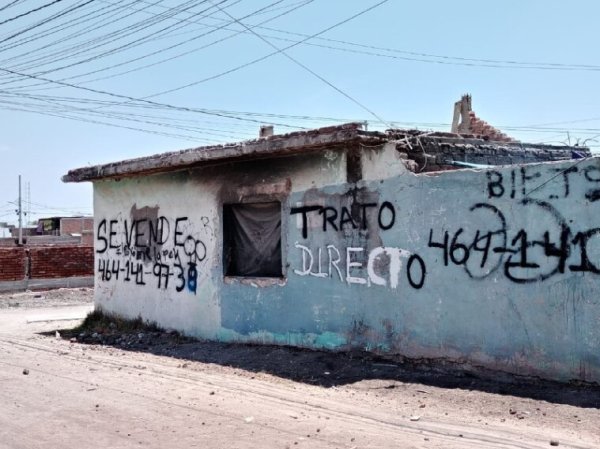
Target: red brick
(13, 264)
(61, 261)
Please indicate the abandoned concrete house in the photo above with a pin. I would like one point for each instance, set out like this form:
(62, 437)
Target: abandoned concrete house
(340, 237)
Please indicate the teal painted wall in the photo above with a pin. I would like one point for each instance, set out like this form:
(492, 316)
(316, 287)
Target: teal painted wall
(498, 268)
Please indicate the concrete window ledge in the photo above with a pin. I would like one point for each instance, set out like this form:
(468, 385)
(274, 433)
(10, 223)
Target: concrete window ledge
(255, 281)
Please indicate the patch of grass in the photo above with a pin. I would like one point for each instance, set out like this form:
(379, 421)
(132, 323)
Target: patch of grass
(101, 322)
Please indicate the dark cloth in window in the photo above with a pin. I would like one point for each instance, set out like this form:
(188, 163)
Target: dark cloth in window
(253, 239)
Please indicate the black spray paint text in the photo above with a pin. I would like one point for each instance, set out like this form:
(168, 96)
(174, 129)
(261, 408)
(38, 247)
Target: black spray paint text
(556, 182)
(525, 254)
(134, 250)
(142, 233)
(354, 217)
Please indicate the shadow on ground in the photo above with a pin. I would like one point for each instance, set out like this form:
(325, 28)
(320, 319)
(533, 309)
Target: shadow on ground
(328, 369)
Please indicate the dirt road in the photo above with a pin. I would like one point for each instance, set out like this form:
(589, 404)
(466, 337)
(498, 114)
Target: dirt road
(91, 396)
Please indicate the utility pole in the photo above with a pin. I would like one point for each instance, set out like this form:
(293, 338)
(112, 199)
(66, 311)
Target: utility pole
(20, 211)
(28, 208)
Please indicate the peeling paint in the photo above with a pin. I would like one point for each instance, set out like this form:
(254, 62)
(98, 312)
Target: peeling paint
(498, 268)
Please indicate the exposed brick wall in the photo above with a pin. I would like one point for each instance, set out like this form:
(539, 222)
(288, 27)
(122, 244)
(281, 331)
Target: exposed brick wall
(13, 264)
(61, 261)
(76, 225)
(46, 262)
(87, 239)
(7, 242)
(482, 128)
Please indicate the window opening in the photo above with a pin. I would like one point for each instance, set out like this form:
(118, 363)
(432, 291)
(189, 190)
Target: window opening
(252, 239)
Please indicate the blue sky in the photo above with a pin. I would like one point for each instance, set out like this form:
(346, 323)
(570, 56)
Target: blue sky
(398, 82)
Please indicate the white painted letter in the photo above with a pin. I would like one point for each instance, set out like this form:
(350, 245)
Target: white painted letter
(373, 255)
(350, 265)
(394, 267)
(305, 270)
(320, 274)
(335, 262)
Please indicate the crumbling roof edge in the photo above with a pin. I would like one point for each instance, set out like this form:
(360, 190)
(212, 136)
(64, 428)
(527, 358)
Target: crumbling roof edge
(332, 137)
(442, 172)
(274, 146)
(472, 139)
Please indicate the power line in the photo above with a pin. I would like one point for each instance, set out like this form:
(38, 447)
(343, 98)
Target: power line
(197, 82)
(450, 60)
(131, 30)
(99, 41)
(305, 67)
(265, 117)
(156, 52)
(43, 22)
(93, 15)
(560, 173)
(229, 114)
(255, 61)
(568, 122)
(307, 43)
(66, 102)
(179, 55)
(532, 129)
(14, 2)
(31, 11)
(98, 122)
(63, 209)
(56, 105)
(320, 38)
(453, 60)
(130, 98)
(429, 55)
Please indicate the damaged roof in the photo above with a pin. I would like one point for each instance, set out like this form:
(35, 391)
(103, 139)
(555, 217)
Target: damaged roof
(331, 137)
(415, 143)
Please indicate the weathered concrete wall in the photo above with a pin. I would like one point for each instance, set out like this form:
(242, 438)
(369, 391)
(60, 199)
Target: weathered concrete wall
(158, 238)
(496, 268)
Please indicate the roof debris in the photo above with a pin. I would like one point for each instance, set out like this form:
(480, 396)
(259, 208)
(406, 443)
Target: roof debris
(430, 150)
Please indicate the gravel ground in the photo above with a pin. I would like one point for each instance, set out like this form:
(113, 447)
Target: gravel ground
(322, 368)
(49, 298)
(119, 384)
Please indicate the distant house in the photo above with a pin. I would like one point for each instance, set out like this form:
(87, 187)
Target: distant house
(55, 230)
(48, 226)
(65, 225)
(344, 238)
(82, 227)
(25, 231)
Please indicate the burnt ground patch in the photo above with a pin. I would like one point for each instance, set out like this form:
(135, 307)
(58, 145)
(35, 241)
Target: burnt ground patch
(322, 368)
